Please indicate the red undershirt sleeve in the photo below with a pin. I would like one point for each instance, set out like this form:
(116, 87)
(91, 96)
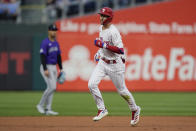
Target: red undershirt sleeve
(115, 49)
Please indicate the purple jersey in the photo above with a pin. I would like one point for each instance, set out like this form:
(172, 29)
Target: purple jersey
(50, 49)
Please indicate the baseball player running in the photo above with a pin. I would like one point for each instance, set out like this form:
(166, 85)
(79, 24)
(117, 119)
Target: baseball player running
(111, 62)
(50, 56)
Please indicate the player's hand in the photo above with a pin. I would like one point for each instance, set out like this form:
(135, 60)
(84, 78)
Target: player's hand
(96, 57)
(46, 73)
(61, 70)
(99, 43)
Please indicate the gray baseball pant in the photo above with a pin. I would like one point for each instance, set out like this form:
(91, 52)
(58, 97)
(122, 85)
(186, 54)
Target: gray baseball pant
(47, 96)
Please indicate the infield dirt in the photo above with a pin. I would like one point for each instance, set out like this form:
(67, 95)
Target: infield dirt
(109, 123)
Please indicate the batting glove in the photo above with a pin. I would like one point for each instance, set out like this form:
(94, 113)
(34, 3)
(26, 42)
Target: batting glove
(99, 43)
(96, 57)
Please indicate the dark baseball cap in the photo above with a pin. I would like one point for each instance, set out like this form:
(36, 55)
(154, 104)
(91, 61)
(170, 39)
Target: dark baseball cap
(52, 27)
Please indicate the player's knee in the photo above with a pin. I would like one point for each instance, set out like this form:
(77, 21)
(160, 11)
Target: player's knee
(49, 91)
(123, 92)
(52, 88)
(91, 85)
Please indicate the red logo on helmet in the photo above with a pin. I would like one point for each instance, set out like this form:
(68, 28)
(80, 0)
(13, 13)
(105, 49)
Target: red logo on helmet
(108, 12)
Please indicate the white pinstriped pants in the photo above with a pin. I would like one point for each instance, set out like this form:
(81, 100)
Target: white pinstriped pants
(116, 74)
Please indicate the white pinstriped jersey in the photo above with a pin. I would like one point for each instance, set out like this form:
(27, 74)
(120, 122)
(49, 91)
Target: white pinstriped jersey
(115, 71)
(110, 36)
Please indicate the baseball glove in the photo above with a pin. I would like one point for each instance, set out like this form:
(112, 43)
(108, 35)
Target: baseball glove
(61, 77)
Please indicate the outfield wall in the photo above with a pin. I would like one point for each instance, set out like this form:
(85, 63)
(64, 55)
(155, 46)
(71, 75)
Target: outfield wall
(160, 43)
(159, 39)
(16, 62)
(19, 56)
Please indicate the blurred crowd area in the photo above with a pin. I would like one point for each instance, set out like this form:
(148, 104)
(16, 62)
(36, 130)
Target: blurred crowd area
(61, 8)
(47, 11)
(9, 10)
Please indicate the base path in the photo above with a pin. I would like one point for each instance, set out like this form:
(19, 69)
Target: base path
(109, 123)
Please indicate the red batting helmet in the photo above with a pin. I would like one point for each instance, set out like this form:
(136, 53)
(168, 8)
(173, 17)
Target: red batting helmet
(108, 12)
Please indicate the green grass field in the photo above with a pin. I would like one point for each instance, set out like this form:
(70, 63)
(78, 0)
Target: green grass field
(82, 104)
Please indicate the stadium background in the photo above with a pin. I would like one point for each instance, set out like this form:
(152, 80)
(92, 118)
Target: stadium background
(159, 37)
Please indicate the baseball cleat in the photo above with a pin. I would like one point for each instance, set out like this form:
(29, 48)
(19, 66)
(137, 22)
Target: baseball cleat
(100, 115)
(40, 109)
(135, 116)
(50, 112)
